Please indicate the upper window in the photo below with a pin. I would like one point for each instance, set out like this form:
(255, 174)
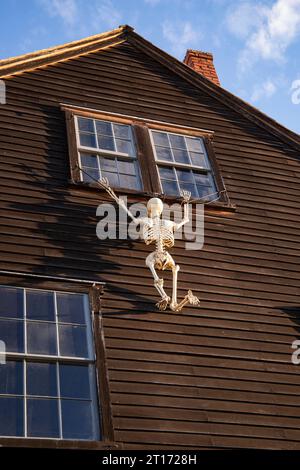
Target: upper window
(47, 386)
(137, 155)
(108, 150)
(183, 164)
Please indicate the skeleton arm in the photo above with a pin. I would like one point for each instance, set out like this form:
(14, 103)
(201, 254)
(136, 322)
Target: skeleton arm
(185, 199)
(105, 185)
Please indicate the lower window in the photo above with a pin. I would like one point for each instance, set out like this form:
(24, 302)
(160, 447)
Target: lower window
(47, 385)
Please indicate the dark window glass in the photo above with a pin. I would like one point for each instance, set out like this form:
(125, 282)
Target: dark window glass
(104, 128)
(40, 305)
(89, 161)
(11, 302)
(106, 143)
(170, 187)
(177, 141)
(11, 378)
(12, 333)
(75, 381)
(41, 338)
(85, 125)
(78, 420)
(87, 140)
(90, 176)
(12, 416)
(73, 341)
(122, 131)
(42, 418)
(181, 156)
(41, 379)
(161, 138)
(70, 308)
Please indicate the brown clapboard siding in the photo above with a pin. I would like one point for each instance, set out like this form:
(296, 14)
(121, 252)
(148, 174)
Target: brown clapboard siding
(216, 376)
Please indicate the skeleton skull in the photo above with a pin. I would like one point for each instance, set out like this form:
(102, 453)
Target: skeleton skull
(155, 207)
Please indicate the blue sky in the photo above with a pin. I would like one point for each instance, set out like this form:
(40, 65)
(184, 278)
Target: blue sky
(256, 44)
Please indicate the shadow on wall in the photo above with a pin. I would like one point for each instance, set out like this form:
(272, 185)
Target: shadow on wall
(59, 220)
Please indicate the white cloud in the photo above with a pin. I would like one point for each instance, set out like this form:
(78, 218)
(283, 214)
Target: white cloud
(181, 36)
(265, 90)
(268, 30)
(64, 9)
(243, 19)
(106, 13)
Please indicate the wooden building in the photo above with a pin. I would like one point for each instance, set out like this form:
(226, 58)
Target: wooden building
(91, 362)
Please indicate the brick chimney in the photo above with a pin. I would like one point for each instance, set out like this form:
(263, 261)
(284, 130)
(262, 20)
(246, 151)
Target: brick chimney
(203, 63)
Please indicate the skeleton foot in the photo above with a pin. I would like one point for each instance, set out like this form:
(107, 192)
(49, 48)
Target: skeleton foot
(162, 304)
(190, 298)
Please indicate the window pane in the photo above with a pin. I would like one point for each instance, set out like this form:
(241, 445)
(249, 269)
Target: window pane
(202, 179)
(41, 379)
(189, 187)
(170, 188)
(204, 191)
(42, 417)
(11, 302)
(73, 341)
(12, 413)
(87, 140)
(108, 164)
(160, 138)
(103, 128)
(106, 143)
(194, 144)
(85, 125)
(177, 141)
(90, 176)
(41, 338)
(167, 173)
(163, 153)
(122, 131)
(11, 378)
(12, 333)
(198, 159)
(124, 146)
(130, 182)
(70, 308)
(127, 168)
(76, 381)
(185, 176)
(181, 156)
(90, 161)
(79, 420)
(112, 178)
(40, 305)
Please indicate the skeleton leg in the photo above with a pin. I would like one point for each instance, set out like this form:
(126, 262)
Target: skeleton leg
(158, 283)
(175, 270)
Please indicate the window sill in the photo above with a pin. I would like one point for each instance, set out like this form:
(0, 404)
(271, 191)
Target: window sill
(217, 206)
(56, 444)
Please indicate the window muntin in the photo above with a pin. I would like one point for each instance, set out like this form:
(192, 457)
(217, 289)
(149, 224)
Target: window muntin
(183, 164)
(50, 371)
(107, 149)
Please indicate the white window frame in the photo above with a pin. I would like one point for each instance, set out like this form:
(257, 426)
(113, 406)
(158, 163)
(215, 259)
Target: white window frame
(108, 153)
(184, 166)
(57, 359)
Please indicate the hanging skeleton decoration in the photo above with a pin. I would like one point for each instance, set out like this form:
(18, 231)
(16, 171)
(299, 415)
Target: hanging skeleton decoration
(161, 232)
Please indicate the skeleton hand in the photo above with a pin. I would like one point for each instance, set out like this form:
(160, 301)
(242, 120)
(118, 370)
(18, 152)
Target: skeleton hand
(186, 196)
(104, 182)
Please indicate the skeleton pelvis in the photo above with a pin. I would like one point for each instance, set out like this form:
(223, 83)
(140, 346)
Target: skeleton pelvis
(163, 261)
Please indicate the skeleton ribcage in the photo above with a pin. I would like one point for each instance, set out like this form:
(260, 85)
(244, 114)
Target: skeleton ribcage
(163, 236)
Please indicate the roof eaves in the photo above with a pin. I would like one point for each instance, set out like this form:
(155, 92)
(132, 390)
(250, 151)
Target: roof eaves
(23, 63)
